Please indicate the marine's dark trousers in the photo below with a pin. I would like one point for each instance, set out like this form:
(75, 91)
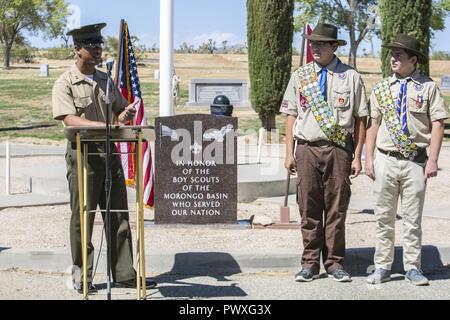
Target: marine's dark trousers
(323, 195)
(121, 241)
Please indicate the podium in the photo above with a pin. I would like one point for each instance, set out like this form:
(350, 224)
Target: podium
(82, 136)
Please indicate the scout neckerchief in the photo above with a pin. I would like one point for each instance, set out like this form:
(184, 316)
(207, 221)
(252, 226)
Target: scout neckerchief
(324, 116)
(401, 104)
(391, 117)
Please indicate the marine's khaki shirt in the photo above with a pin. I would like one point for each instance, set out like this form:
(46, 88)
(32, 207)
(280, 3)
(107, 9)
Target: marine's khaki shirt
(74, 94)
(346, 96)
(424, 105)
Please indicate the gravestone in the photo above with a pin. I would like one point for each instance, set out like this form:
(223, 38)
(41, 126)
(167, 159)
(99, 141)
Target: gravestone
(445, 83)
(44, 70)
(203, 91)
(196, 169)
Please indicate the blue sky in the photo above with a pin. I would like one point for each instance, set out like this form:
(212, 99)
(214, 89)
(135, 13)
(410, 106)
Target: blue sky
(195, 21)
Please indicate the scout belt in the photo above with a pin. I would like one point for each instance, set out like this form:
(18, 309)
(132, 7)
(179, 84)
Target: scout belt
(401, 141)
(420, 158)
(324, 116)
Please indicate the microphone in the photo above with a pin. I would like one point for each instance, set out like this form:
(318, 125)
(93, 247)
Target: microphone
(109, 64)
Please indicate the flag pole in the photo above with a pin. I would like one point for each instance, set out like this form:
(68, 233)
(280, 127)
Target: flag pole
(302, 50)
(119, 56)
(118, 62)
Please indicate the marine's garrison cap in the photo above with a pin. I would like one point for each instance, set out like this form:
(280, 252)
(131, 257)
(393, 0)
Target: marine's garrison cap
(92, 31)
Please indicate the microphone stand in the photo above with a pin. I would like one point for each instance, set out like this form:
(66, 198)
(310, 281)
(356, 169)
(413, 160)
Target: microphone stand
(108, 180)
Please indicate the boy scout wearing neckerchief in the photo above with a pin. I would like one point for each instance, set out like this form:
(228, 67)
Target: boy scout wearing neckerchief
(325, 104)
(407, 116)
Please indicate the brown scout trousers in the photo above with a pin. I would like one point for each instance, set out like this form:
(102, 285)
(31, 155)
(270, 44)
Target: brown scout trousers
(323, 195)
(121, 241)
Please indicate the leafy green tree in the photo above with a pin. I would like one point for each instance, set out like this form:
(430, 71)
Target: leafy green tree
(224, 46)
(440, 55)
(270, 26)
(357, 17)
(411, 17)
(446, 5)
(186, 48)
(16, 16)
(208, 47)
(111, 46)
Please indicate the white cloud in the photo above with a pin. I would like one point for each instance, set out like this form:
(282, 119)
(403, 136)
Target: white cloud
(219, 37)
(74, 18)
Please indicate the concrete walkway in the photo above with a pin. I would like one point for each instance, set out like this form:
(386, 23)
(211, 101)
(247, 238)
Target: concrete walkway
(231, 289)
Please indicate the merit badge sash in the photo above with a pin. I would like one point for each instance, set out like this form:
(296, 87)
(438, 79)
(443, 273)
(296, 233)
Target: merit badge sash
(324, 116)
(387, 105)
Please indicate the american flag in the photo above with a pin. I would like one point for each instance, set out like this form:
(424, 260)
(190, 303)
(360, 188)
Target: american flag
(131, 89)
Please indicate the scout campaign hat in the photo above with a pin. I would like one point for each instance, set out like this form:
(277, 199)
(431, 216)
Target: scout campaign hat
(89, 32)
(409, 44)
(325, 32)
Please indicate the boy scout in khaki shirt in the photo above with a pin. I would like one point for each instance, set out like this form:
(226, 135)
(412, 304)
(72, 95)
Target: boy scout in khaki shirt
(78, 99)
(407, 114)
(326, 107)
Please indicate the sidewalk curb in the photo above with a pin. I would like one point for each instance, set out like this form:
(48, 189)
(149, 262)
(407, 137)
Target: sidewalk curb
(359, 261)
(32, 200)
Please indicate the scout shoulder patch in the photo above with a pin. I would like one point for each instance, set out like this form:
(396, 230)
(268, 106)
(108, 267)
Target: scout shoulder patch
(401, 141)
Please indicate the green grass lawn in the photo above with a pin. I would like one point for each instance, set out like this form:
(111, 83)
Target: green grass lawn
(27, 102)
(447, 100)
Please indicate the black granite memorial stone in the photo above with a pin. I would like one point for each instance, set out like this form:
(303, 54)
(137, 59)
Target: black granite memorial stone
(196, 169)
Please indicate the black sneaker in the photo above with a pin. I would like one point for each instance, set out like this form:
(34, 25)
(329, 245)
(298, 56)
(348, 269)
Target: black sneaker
(340, 275)
(306, 275)
(130, 284)
(79, 287)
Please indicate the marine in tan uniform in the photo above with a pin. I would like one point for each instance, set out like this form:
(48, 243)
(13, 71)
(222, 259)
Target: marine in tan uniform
(78, 99)
(407, 116)
(326, 109)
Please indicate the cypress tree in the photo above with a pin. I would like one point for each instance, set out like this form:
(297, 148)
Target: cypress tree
(412, 17)
(270, 34)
